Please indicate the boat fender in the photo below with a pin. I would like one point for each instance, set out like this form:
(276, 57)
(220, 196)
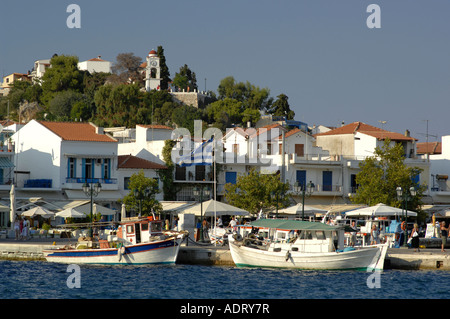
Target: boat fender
(288, 255)
(119, 253)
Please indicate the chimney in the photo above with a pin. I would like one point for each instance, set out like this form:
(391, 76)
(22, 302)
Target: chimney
(99, 130)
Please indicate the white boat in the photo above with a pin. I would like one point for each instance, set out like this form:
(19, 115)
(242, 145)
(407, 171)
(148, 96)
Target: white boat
(137, 242)
(303, 245)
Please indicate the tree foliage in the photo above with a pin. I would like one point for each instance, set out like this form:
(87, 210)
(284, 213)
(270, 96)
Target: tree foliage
(381, 174)
(148, 204)
(281, 107)
(62, 76)
(255, 191)
(185, 79)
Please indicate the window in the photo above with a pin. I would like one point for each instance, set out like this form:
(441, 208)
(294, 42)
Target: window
(144, 226)
(72, 169)
(106, 171)
(320, 234)
(299, 149)
(130, 229)
(88, 167)
(180, 173)
(200, 171)
(327, 181)
(126, 182)
(306, 234)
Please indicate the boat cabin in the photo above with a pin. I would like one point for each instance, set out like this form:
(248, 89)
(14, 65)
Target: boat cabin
(140, 230)
(301, 235)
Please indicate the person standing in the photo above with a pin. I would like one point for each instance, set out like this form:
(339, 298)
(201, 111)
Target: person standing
(444, 235)
(374, 235)
(415, 237)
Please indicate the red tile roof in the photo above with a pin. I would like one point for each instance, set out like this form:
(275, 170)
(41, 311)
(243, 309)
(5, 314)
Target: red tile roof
(73, 131)
(130, 161)
(429, 148)
(156, 126)
(369, 130)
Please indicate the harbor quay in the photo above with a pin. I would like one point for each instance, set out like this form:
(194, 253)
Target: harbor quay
(202, 254)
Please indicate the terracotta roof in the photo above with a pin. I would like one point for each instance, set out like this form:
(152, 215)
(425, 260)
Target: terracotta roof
(152, 52)
(130, 161)
(429, 148)
(369, 130)
(156, 126)
(73, 131)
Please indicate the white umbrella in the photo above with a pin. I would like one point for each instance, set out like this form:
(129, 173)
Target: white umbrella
(208, 209)
(379, 210)
(38, 210)
(12, 207)
(297, 209)
(123, 212)
(70, 212)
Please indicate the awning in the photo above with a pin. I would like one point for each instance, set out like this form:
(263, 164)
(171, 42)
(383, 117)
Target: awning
(5, 163)
(104, 195)
(175, 206)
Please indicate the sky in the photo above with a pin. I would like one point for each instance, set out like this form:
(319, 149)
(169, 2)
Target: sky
(320, 53)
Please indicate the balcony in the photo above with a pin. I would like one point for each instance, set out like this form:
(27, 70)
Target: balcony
(38, 183)
(75, 183)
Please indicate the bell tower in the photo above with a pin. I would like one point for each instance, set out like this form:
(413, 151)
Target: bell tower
(152, 72)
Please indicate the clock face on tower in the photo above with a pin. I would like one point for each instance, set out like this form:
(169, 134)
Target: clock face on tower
(154, 63)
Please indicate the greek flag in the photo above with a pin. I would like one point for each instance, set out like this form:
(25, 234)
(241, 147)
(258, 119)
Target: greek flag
(202, 155)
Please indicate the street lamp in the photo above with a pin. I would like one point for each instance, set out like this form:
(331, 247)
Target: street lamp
(140, 195)
(404, 197)
(92, 190)
(199, 193)
(306, 192)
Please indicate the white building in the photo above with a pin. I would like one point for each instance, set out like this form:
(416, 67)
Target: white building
(152, 72)
(54, 159)
(40, 66)
(95, 65)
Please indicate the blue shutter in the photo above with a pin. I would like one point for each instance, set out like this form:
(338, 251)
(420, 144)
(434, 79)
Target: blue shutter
(230, 177)
(327, 180)
(301, 178)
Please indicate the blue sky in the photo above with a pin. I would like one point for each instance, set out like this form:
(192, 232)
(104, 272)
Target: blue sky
(320, 53)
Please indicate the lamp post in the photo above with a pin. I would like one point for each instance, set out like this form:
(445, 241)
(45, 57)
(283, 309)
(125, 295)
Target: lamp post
(140, 195)
(275, 196)
(199, 192)
(404, 197)
(92, 190)
(306, 192)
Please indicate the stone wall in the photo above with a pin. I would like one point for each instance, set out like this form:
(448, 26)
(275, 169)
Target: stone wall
(196, 99)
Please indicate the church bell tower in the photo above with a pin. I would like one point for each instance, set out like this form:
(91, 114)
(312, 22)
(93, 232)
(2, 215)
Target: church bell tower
(152, 72)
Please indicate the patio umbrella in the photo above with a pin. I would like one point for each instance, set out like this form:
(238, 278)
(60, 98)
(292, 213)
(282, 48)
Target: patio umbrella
(209, 209)
(297, 209)
(38, 211)
(70, 212)
(123, 212)
(379, 210)
(12, 207)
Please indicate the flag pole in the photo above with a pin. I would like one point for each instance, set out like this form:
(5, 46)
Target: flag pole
(215, 193)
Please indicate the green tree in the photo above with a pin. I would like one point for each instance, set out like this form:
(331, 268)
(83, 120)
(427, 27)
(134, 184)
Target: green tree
(62, 76)
(62, 102)
(281, 107)
(185, 115)
(185, 79)
(382, 173)
(224, 112)
(254, 192)
(250, 95)
(170, 189)
(164, 69)
(141, 184)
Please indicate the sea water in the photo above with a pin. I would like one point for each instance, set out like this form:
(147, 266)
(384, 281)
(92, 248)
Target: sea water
(44, 280)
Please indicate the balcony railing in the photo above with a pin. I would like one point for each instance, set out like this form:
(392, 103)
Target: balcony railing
(79, 180)
(38, 183)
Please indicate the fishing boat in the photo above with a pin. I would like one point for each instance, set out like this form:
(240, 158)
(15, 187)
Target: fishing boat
(302, 245)
(135, 242)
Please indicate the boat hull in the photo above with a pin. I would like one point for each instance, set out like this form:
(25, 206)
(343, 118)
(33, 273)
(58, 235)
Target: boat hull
(159, 252)
(366, 258)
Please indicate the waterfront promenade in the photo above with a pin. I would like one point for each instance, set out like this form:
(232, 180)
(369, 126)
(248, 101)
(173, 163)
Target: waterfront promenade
(202, 254)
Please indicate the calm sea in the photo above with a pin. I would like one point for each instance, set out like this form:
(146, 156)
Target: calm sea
(43, 280)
